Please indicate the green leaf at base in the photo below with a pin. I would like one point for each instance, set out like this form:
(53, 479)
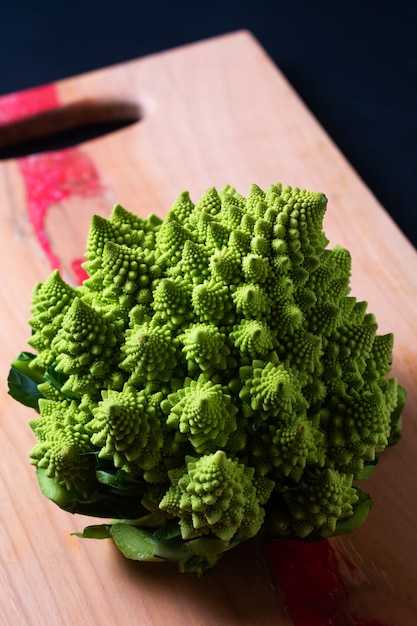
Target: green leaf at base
(101, 502)
(97, 531)
(134, 543)
(23, 381)
(140, 543)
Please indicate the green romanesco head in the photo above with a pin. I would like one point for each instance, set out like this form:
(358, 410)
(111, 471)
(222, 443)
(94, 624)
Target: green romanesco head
(214, 494)
(63, 444)
(203, 414)
(127, 429)
(214, 369)
(50, 301)
(327, 498)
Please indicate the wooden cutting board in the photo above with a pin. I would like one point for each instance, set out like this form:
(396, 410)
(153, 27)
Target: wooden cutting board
(212, 113)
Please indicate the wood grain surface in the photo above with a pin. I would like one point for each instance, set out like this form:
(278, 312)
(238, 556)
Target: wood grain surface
(212, 113)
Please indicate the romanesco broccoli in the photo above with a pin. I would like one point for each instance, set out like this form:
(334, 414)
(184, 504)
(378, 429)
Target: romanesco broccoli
(212, 380)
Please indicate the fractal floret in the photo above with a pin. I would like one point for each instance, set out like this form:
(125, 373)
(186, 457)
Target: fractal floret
(211, 381)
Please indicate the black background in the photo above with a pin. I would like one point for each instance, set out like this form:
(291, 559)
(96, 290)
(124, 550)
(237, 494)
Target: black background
(354, 63)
